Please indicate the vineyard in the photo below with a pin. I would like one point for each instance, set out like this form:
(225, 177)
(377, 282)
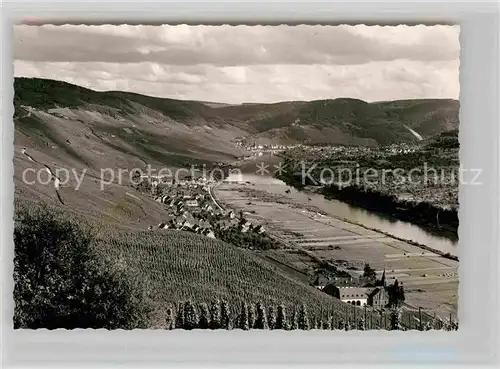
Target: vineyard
(181, 266)
(184, 266)
(249, 316)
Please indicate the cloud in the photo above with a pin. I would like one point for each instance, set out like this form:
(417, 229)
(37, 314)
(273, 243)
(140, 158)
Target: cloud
(372, 81)
(246, 63)
(235, 45)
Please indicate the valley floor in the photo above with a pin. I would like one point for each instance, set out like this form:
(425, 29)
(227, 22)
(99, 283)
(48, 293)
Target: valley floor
(430, 280)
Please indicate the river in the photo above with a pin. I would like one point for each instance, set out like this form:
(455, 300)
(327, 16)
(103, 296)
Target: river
(361, 216)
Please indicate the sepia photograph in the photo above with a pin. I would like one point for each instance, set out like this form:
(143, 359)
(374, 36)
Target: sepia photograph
(189, 177)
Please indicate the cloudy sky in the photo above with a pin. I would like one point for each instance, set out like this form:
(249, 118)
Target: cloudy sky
(246, 63)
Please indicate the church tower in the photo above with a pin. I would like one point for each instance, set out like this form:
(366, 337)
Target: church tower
(382, 280)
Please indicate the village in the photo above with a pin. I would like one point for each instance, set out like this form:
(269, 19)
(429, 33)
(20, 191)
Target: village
(190, 206)
(321, 152)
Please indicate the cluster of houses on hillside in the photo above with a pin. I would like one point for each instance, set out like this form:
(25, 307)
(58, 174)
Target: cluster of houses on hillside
(324, 152)
(400, 148)
(356, 291)
(258, 149)
(190, 207)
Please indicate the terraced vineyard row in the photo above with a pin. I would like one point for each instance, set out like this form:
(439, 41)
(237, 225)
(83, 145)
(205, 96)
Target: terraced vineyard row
(182, 266)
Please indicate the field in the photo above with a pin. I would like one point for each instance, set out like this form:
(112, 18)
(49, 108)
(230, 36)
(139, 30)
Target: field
(430, 280)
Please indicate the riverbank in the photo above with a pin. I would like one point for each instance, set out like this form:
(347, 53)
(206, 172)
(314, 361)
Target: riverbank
(281, 199)
(435, 220)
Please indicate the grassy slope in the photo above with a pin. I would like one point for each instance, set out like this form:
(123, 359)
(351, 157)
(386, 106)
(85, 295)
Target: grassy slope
(43, 94)
(320, 121)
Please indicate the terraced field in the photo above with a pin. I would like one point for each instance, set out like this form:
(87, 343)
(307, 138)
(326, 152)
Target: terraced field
(430, 280)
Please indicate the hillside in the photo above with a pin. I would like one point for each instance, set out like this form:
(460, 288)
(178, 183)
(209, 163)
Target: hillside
(339, 121)
(180, 266)
(66, 126)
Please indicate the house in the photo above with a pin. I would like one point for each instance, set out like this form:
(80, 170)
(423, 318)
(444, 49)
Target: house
(378, 298)
(260, 229)
(189, 217)
(209, 233)
(320, 282)
(186, 226)
(192, 203)
(179, 221)
(204, 223)
(163, 226)
(165, 199)
(344, 281)
(350, 294)
(208, 208)
(177, 202)
(231, 214)
(245, 226)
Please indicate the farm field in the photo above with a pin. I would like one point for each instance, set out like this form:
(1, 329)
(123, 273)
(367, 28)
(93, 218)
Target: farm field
(430, 280)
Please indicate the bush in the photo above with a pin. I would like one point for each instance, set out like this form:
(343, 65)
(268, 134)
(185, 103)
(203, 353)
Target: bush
(59, 281)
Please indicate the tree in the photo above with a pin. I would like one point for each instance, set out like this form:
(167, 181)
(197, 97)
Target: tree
(215, 315)
(333, 323)
(319, 324)
(281, 322)
(401, 293)
(61, 279)
(293, 321)
(361, 324)
(169, 320)
(326, 325)
(190, 316)
(204, 322)
(341, 324)
(303, 319)
(396, 294)
(369, 272)
(179, 319)
(271, 318)
(225, 316)
(382, 280)
(251, 316)
(261, 321)
(242, 321)
(396, 318)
